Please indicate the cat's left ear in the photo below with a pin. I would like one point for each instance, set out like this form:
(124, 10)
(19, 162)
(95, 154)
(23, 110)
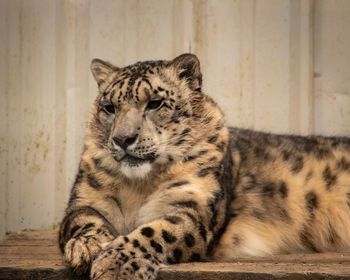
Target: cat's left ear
(102, 70)
(187, 67)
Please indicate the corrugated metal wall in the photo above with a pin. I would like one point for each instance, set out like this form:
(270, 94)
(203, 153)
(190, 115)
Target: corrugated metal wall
(275, 65)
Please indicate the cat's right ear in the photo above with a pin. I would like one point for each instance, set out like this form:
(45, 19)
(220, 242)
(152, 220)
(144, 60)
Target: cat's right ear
(102, 70)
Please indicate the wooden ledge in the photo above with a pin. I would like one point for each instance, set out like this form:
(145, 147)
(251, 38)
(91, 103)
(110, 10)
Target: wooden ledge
(34, 254)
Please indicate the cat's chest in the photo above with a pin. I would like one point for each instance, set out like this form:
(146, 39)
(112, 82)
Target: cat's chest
(131, 202)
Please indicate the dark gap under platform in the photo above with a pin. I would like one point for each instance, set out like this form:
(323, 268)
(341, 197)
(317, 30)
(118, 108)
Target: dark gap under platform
(34, 254)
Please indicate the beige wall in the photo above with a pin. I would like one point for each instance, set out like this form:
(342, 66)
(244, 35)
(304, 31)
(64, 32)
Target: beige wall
(274, 65)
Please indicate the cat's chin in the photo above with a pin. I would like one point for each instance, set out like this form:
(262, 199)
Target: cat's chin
(135, 170)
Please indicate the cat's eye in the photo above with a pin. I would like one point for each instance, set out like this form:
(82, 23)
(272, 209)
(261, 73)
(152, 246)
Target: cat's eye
(109, 109)
(154, 104)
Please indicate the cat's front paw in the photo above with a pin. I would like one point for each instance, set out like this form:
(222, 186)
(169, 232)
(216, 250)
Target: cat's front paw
(79, 253)
(123, 261)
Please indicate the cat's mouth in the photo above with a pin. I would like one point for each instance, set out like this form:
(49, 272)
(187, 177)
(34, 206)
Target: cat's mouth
(132, 160)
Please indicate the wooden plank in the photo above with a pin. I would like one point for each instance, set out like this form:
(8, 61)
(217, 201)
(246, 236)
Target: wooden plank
(154, 29)
(30, 49)
(37, 20)
(15, 113)
(41, 234)
(301, 66)
(271, 67)
(245, 95)
(23, 256)
(27, 242)
(64, 18)
(33, 250)
(206, 271)
(253, 271)
(331, 67)
(51, 261)
(216, 42)
(300, 258)
(44, 273)
(4, 11)
(182, 27)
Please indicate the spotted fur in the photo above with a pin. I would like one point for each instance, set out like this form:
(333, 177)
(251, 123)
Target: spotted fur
(162, 180)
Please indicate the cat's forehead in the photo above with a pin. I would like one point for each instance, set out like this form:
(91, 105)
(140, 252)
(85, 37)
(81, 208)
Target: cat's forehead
(142, 68)
(139, 82)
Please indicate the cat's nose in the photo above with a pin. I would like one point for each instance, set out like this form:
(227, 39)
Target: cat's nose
(124, 141)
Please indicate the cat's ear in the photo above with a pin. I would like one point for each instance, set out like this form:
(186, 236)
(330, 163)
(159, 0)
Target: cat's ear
(187, 67)
(102, 70)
